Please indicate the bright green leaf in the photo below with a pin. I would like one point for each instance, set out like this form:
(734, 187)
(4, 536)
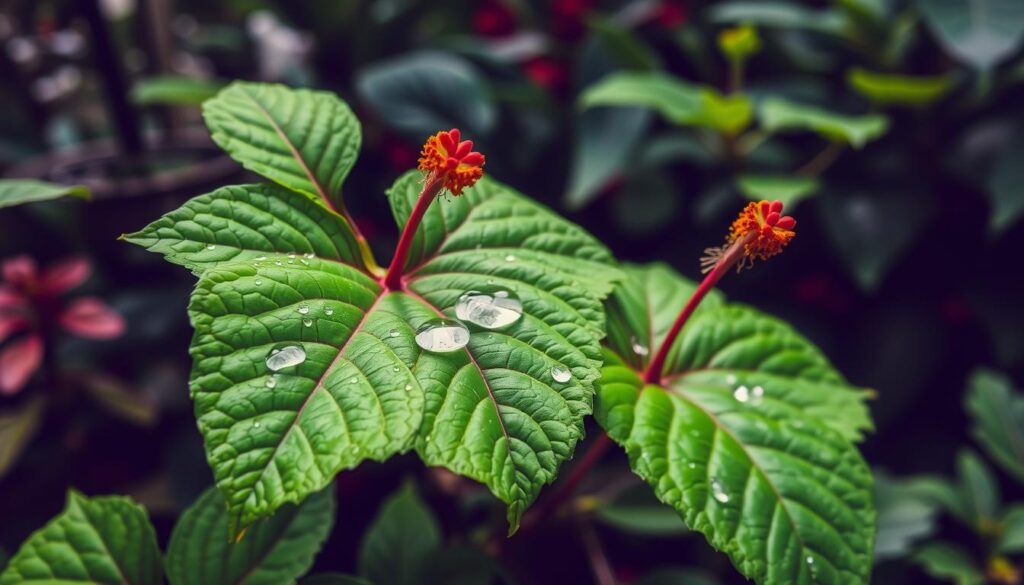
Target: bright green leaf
(904, 518)
(775, 14)
(402, 537)
(678, 101)
(174, 90)
(106, 541)
(788, 190)
(979, 32)
(778, 114)
(906, 90)
(272, 551)
(17, 428)
(950, 563)
(1005, 192)
(17, 191)
(749, 437)
(998, 415)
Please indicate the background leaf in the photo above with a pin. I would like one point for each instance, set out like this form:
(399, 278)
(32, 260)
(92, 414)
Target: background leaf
(106, 540)
(949, 563)
(273, 551)
(17, 427)
(774, 14)
(886, 89)
(979, 32)
(638, 512)
(17, 191)
(778, 114)
(605, 141)
(173, 90)
(998, 415)
(1006, 197)
(904, 518)
(788, 190)
(400, 540)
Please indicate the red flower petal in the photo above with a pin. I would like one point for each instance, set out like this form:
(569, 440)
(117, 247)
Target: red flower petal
(65, 275)
(19, 271)
(92, 318)
(18, 361)
(10, 324)
(10, 298)
(787, 223)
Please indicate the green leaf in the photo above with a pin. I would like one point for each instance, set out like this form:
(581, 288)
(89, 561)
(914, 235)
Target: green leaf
(106, 540)
(247, 222)
(1004, 186)
(638, 512)
(1011, 539)
(950, 563)
(749, 437)
(605, 140)
(979, 490)
(778, 114)
(305, 140)
(17, 191)
(789, 190)
(940, 492)
(174, 90)
(998, 415)
(679, 102)
(17, 428)
(980, 33)
(739, 43)
(885, 89)
(402, 537)
(629, 51)
(276, 550)
(773, 14)
(428, 91)
(904, 518)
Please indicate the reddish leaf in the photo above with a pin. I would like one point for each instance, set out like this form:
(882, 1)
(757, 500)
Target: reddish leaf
(18, 361)
(92, 318)
(11, 324)
(65, 275)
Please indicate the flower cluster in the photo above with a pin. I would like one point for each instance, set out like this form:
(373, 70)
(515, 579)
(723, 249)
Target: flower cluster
(454, 163)
(30, 307)
(760, 232)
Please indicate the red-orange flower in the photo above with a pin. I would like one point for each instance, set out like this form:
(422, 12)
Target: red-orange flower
(760, 232)
(453, 162)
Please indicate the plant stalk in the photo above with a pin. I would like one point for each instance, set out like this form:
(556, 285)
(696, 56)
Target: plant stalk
(568, 487)
(431, 187)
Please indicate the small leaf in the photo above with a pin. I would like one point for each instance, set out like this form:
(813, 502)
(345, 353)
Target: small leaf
(789, 190)
(739, 43)
(998, 415)
(979, 490)
(420, 93)
(778, 114)
(980, 33)
(679, 102)
(1011, 540)
(106, 540)
(276, 550)
(17, 428)
(1005, 195)
(403, 536)
(885, 89)
(17, 191)
(748, 439)
(949, 563)
(904, 518)
(174, 90)
(774, 14)
(120, 400)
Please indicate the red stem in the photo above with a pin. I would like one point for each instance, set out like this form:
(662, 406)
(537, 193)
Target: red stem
(431, 187)
(568, 487)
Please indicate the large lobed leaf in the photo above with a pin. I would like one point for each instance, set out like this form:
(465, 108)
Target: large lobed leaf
(278, 270)
(106, 540)
(749, 438)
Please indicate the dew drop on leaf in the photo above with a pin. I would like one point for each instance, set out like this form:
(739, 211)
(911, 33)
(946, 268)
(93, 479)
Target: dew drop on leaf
(442, 335)
(395, 368)
(328, 311)
(307, 322)
(718, 491)
(489, 311)
(304, 309)
(285, 357)
(353, 381)
(258, 282)
(211, 247)
(730, 379)
(810, 560)
(742, 394)
(408, 387)
(278, 263)
(272, 381)
(309, 255)
(393, 333)
(510, 258)
(561, 374)
(756, 395)
(638, 348)
(292, 255)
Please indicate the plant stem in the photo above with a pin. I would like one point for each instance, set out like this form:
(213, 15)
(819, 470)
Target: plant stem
(431, 187)
(822, 161)
(567, 487)
(602, 569)
(652, 375)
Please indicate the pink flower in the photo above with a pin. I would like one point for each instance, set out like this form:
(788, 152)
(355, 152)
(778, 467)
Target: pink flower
(31, 311)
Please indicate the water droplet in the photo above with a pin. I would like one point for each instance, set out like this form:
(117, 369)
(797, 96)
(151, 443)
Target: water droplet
(393, 333)
(328, 311)
(718, 491)
(730, 379)
(261, 258)
(489, 311)
(741, 394)
(408, 387)
(256, 425)
(756, 395)
(304, 261)
(303, 310)
(278, 263)
(291, 261)
(356, 449)
(272, 381)
(442, 335)
(211, 247)
(490, 281)
(810, 560)
(258, 282)
(353, 381)
(510, 258)
(561, 374)
(428, 438)
(307, 322)
(638, 348)
(285, 357)
(292, 255)
(691, 465)
(395, 368)
(309, 255)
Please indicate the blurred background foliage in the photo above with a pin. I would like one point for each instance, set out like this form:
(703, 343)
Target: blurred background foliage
(895, 128)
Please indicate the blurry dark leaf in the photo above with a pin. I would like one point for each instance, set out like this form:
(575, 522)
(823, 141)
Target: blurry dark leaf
(648, 203)
(277, 549)
(639, 512)
(949, 563)
(403, 536)
(1006, 185)
(119, 400)
(998, 415)
(605, 141)
(871, 9)
(628, 50)
(789, 190)
(460, 565)
(979, 32)
(778, 114)
(678, 101)
(333, 579)
(1011, 541)
(424, 92)
(870, 232)
(979, 490)
(940, 492)
(17, 427)
(885, 89)
(4, 557)
(775, 14)
(715, 203)
(674, 576)
(672, 147)
(904, 518)
(174, 91)
(17, 191)
(1003, 317)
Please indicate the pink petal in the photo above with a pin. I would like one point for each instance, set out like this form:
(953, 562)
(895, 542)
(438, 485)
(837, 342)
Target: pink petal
(65, 275)
(10, 298)
(19, 271)
(18, 361)
(92, 318)
(11, 324)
